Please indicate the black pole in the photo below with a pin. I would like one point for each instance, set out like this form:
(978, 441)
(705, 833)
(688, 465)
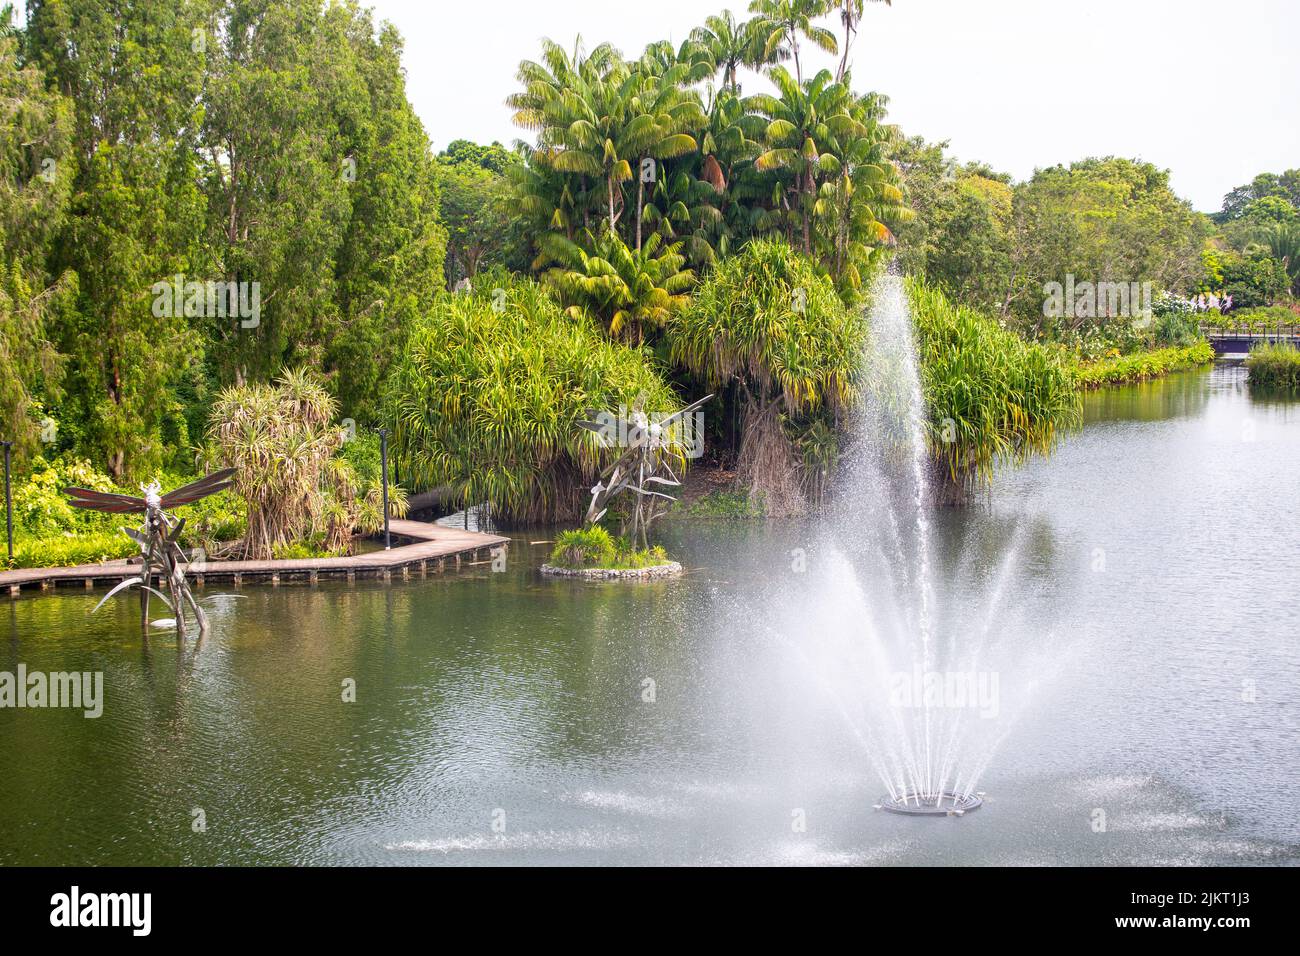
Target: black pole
(383, 461)
(9, 501)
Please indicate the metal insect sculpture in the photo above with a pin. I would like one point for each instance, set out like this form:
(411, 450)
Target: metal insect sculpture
(651, 446)
(158, 538)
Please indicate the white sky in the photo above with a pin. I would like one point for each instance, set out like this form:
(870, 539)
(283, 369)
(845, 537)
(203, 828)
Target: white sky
(1205, 88)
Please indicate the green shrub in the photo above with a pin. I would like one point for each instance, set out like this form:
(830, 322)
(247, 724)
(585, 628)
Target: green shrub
(67, 550)
(1274, 366)
(1141, 366)
(301, 549)
(594, 547)
(41, 508)
(583, 548)
(991, 395)
(1261, 318)
(487, 397)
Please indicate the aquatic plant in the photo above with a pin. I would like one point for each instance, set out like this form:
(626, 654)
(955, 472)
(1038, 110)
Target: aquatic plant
(1140, 366)
(1274, 366)
(991, 395)
(594, 547)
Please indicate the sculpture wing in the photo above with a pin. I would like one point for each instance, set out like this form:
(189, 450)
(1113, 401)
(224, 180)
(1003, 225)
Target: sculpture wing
(103, 501)
(664, 423)
(195, 490)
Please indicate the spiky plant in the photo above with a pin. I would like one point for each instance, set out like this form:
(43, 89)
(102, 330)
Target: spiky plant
(486, 399)
(768, 322)
(991, 395)
(282, 442)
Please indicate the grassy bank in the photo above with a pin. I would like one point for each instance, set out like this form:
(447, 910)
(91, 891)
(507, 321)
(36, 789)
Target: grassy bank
(1274, 366)
(1141, 366)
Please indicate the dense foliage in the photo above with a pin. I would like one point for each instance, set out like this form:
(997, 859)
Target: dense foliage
(488, 393)
(189, 143)
(992, 396)
(668, 144)
(771, 329)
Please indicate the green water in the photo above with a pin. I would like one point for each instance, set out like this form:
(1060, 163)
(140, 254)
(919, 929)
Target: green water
(505, 718)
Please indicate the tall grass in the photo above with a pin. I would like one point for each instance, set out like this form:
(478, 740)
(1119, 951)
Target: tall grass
(486, 400)
(991, 395)
(1274, 366)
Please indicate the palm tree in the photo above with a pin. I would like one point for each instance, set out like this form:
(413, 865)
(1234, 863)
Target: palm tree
(682, 206)
(574, 104)
(626, 290)
(779, 23)
(730, 44)
(856, 205)
(595, 115)
(809, 126)
(663, 109)
(850, 16)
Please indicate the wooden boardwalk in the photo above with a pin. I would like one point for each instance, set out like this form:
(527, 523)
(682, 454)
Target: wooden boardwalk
(431, 547)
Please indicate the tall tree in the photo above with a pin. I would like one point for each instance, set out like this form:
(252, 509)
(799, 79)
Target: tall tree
(850, 17)
(780, 23)
(133, 71)
(36, 173)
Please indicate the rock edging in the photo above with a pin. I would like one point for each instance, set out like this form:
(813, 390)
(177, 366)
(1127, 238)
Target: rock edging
(671, 569)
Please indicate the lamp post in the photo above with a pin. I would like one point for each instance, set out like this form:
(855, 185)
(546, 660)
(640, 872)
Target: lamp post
(383, 463)
(9, 501)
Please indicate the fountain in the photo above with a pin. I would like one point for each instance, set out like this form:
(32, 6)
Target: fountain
(902, 630)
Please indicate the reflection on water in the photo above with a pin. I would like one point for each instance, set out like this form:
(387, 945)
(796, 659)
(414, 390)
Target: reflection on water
(506, 718)
(1176, 396)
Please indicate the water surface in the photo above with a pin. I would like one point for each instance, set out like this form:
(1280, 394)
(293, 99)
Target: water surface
(503, 718)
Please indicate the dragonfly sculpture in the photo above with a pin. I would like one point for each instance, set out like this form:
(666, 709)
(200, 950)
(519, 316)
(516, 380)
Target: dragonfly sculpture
(645, 468)
(161, 556)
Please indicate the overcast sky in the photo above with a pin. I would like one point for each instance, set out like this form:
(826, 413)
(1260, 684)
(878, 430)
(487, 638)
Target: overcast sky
(1205, 88)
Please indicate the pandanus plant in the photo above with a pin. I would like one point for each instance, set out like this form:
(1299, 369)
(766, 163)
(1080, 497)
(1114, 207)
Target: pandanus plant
(992, 396)
(485, 398)
(768, 323)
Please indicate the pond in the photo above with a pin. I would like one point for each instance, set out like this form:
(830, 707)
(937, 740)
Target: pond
(504, 718)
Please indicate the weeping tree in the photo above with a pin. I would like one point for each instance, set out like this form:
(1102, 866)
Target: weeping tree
(769, 324)
(486, 401)
(991, 395)
(285, 448)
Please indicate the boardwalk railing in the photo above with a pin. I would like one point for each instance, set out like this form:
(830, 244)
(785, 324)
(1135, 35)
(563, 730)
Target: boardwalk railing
(1252, 330)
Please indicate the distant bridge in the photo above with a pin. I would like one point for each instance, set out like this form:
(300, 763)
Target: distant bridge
(1240, 340)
